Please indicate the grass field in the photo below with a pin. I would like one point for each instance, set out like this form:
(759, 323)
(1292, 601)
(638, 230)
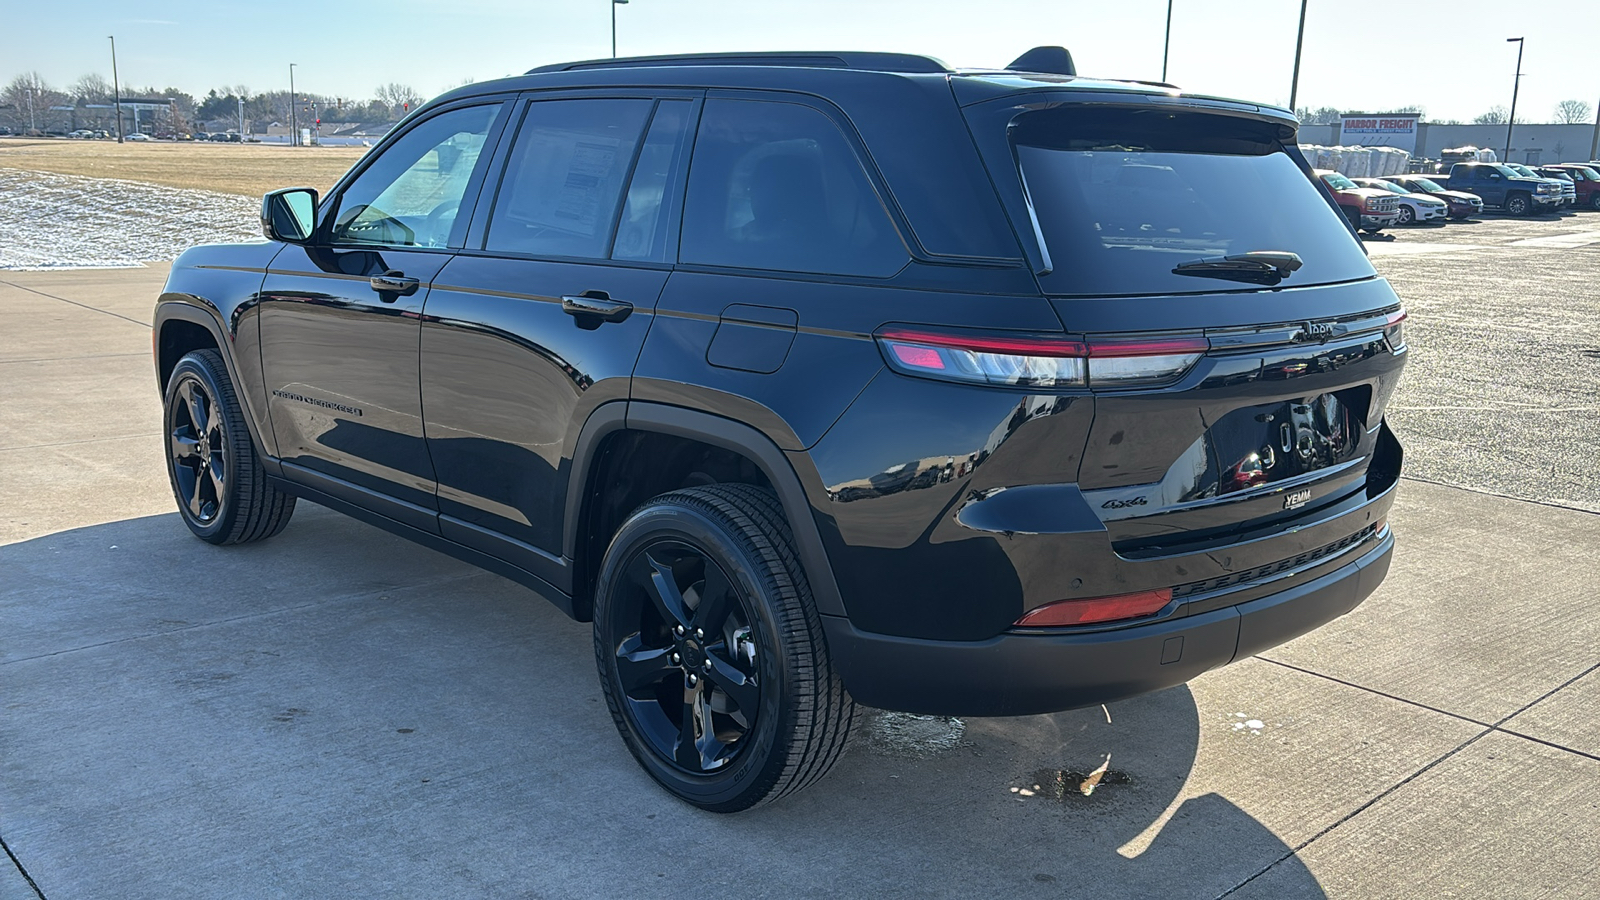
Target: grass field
(246, 169)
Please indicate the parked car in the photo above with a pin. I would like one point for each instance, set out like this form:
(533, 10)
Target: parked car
(81, 134)
(137, 136)
(1369, 209)
(1502, 187)
(1569, 194)
(1586, 180)
(1569, 184)
(1413, 209)
(844, 411)
(1461, 204)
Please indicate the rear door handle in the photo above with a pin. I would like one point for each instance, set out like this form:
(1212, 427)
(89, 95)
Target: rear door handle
(594, 308)
(393, 284)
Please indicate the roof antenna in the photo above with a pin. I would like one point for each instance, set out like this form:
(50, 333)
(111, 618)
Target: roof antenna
(1050, 60)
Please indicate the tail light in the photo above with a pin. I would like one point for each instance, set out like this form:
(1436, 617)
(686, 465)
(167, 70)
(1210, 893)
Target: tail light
(1096, 609)
(1394, 331)
(1046, 361)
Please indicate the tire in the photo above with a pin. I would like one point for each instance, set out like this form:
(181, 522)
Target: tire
(1519, 205)
(1594, 201)
(206, 434)
(683, 705)
(1407, 217)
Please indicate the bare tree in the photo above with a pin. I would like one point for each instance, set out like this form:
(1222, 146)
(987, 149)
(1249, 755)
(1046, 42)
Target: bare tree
(1496, 115)
(1572, 112)
(91, 88)
(400, 98)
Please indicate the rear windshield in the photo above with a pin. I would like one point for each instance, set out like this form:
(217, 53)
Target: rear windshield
(1123, 196)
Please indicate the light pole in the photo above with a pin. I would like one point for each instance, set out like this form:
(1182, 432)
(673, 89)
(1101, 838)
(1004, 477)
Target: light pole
(614, 5)
(1594, 142)
(116, 86)
(31, 126)
(1516, 83)
(1167, 47)
(294, 100)
(1299, 42)
(241, 120)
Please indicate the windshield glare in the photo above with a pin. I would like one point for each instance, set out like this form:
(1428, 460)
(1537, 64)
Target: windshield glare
(1338, 182)
(1124, 196)
(1423, 184)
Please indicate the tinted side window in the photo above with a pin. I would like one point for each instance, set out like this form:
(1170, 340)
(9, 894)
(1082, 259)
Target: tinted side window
(409, 195)
(563, 184)
(649, 217)
(776, 186)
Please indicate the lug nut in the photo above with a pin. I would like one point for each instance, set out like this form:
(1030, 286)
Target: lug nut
(694, 680)
(678, 631)
(699, 632)
(675, 659)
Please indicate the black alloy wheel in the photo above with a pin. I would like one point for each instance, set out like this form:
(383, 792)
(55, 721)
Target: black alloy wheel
(687, 659)
(217, 480)
(1518, 205)
(1594, 201)
(711, 652)
(198, 449)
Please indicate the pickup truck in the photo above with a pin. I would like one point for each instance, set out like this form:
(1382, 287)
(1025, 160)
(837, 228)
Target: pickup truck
(1503, 188)
(1586, 180)
(1368, 209)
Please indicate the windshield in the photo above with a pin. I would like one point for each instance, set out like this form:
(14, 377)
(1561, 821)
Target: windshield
(1338, 182)
(1389, 186)
(1522, 170)
(1556, 174)
(1588, 173)
(1123, 196)
(1423, 184)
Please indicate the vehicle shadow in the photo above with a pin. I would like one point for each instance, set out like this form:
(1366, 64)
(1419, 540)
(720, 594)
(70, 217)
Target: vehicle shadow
(339, 712)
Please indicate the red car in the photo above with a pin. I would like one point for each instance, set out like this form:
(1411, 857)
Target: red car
(1369, 209)
(1586, 179)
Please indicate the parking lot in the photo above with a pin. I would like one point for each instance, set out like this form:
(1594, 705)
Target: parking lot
(337, 712)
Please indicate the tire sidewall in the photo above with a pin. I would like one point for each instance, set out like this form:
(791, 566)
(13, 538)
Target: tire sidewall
(198, 367)
(758, 766)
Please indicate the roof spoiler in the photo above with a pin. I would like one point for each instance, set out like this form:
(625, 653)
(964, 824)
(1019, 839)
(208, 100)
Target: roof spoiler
(1049, 60)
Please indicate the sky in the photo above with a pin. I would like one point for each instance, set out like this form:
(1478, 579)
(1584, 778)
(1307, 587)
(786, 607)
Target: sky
(1412, 55)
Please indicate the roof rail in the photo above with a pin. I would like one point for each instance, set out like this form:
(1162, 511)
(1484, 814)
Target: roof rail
(877, 62)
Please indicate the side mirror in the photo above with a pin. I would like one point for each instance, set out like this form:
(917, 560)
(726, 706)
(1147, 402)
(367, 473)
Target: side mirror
(289, 215)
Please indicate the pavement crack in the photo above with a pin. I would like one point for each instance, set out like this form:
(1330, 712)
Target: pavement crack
(74, 303)
(21, 870)
(1487, 730)
(1549, 503)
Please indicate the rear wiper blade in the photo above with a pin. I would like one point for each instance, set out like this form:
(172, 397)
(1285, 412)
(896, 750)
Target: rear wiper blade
(1257, 266)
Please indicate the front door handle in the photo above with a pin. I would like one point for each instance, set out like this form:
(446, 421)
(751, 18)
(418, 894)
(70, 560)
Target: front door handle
(594, 308)
(393, 284)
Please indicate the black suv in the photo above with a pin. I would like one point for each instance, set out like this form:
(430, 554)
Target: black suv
(819, 379)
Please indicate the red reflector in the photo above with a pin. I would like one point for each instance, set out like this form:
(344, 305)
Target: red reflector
(920, 357)
(1097, 609)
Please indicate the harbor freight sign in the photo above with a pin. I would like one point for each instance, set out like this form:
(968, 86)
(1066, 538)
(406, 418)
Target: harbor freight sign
(1379, 131)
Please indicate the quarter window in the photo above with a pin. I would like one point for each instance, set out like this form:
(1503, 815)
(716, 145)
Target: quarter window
(776, 186)
(410, 195)
(563, 184)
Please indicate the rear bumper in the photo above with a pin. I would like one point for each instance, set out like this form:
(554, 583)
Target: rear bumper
(1025, 674)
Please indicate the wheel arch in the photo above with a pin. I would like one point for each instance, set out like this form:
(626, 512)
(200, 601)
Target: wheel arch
(183, 324)
(589, 525)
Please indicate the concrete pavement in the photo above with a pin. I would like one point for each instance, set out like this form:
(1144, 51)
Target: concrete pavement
(337, 712)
